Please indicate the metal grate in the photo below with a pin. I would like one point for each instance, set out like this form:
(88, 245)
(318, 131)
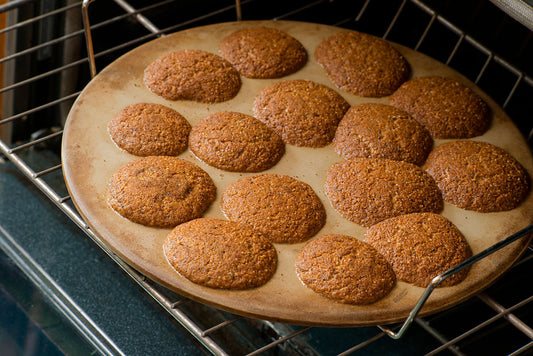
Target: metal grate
(42, 57)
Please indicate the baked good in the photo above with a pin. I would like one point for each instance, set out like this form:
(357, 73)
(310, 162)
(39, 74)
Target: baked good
(221, 254)
(421, 246)
(362, 64)
(369, 190)
(263, 52)
(345, 269)
(192, 75)
(307, 164)
(478, 176)
(236, 142)
(381, 131)
(148, 129)
(302, 112)
(447, 108)
(285, 209)
(160, 191)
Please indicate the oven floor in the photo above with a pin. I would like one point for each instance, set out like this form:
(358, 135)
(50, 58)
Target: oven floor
(29, 326)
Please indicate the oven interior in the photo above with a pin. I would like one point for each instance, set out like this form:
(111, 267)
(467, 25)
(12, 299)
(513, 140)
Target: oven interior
(52, 261)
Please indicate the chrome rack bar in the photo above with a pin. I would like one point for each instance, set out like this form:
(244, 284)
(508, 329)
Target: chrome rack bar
(174, 311)
(513, 319)
(278, 341)
(34, 142)
(37, 109)
(238, 9)
(104, 345)
(362, 344)
(394, 20)
(307, 6)
(40, 76)
(13, 5)
(88, 36)
(482, 325)
(48, 170)
(221, 325)
(438, 279)
(437, 335)
(142, 19)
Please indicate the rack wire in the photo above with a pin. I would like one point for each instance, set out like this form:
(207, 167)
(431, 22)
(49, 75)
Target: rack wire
(283, 337)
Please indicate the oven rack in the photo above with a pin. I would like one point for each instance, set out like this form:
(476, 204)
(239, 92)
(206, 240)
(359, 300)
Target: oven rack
(181, 309)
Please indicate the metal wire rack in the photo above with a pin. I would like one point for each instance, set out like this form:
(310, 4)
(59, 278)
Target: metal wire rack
(83, 25)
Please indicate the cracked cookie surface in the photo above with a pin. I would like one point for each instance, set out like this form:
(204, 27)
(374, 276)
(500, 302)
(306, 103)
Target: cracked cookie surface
(147, 129)
(160, 191)
(285, 209)
(302, 112)
(478, 176)
(447, 108)
(421, 246)
(262, 52)
(362, 64)
(192, 75)
(345, 269)
(369, 190)
(381, 131)
(221, 254)
(236, 142)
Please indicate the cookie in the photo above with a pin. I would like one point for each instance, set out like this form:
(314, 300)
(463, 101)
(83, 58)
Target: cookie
(421, 246)
(362, 64)
(369, 190)
(285, 209)
(220, 254)
(302, 112)
(344, 269)
(192, 75)
(447, 108)
(147, 129)
(381, 131)
(478, 176)
(262, 52)
(236, 142)
(160, 191)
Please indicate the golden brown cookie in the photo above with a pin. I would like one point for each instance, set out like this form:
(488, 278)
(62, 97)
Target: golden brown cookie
(302, 112)
(221, 254)
(421, 246)
(147, 129)
(262, 52)
(345, 269)
(369, 190)
(285, 209)
(160, 191)
(381, 131)
(447, 108)
(362, 64)
(478, 176)
(236, 142)
(192, 75)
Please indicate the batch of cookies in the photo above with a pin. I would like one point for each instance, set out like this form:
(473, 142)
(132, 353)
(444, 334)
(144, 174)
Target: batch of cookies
(391, 180)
